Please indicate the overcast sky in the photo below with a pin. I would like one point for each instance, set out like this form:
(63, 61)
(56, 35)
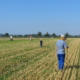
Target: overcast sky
(33, 16)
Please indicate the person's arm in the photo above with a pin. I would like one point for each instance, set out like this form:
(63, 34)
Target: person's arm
(66, 47)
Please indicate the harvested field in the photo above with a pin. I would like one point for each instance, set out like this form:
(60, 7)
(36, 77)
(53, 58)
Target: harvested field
(22, 59)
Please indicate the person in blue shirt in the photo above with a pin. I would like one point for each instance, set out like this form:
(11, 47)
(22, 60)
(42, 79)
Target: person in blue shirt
(60, 50)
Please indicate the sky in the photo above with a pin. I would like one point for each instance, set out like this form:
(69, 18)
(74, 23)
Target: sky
(33, 16)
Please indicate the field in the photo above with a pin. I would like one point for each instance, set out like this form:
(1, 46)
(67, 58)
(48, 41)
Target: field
(23, 59)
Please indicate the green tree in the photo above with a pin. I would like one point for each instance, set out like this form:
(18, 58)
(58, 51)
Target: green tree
(6, 34)
(25, 35)
(47, 35)
(54, 35)
(67, 34)
(39, 34)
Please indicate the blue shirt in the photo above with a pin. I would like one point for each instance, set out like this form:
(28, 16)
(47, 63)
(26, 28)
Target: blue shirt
(61, 45)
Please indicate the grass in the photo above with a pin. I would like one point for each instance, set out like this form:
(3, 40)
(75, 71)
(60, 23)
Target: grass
(24, 59)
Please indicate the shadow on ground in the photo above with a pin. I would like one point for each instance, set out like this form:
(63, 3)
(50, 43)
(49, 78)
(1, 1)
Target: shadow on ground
(73, 66)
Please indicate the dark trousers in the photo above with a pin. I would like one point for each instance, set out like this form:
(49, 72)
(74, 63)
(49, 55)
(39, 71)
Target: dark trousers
(40, 43)
(11, 39)
(61, 59)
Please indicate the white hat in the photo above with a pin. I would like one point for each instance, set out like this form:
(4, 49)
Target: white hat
(62, 35)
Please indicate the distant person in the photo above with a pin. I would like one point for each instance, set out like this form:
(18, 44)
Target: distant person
(30, 38)
(41, 42)
(60, 49)
(11, 38)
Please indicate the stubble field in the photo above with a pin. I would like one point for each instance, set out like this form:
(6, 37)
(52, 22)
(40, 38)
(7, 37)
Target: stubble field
(23, 59)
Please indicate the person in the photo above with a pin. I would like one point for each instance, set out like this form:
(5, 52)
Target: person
(60, 49)
(11, 39)
(41, 42)
(30, 38)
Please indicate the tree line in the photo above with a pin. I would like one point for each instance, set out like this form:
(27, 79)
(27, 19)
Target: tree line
(39, 34)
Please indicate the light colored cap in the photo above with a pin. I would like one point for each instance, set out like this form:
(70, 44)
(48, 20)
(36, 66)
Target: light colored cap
(62, 35)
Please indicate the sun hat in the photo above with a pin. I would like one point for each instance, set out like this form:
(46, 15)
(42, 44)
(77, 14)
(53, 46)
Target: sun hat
(62, 35)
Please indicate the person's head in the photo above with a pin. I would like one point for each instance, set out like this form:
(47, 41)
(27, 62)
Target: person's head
(63, 37)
